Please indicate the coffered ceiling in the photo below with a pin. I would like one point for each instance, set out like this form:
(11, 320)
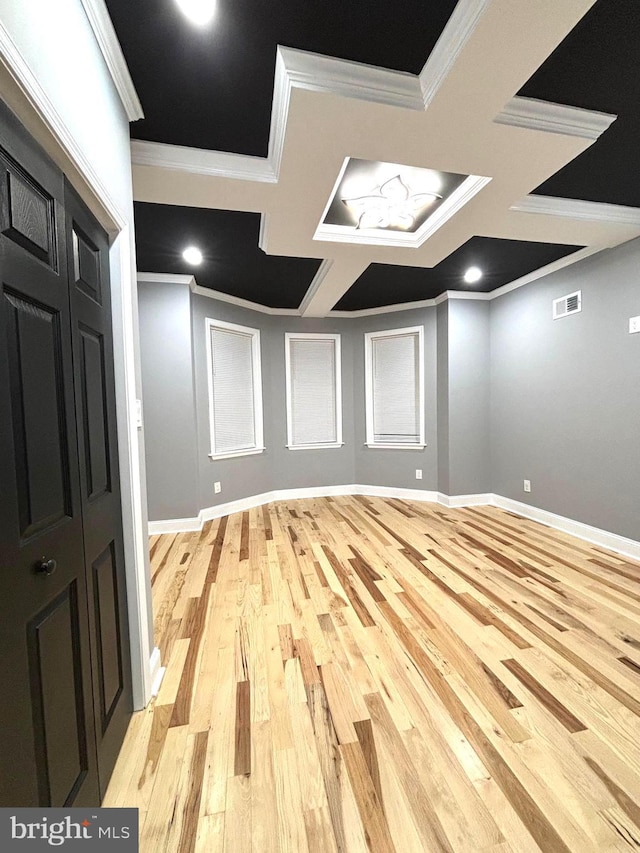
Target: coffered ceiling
(251, 122)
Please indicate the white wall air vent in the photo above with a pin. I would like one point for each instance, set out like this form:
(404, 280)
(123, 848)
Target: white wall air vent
(566, 305)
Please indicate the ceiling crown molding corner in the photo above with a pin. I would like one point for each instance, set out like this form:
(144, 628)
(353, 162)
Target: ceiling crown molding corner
(109, 45)
(198, 161)
(317, 73)
(586, 211)
(532, 114)
(301, 69)
(456, 34)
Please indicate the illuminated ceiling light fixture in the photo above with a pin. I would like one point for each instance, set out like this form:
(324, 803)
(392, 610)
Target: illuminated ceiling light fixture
(192, 255)
(199, 12)
(472, 275)
(393, 206)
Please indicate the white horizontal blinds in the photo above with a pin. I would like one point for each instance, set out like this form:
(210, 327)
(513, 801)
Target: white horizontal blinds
(312, 364)
(396, 394)
(234, 426)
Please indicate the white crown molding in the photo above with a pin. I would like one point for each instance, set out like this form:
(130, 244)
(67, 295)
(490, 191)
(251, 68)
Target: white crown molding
(244, 303)
(315, 72)
(190, 281)
(173, 278)
(109, 45)
(560, 264)
(383, 309)
(299, 69)
(584, 211)
(16, 65)
(456, 34)
(532, 114)
(198, 161)
(410, 306)
(594, 535)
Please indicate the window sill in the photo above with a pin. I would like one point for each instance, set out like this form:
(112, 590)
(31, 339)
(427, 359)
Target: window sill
(331, 446)
(377, 446)
(232, 454)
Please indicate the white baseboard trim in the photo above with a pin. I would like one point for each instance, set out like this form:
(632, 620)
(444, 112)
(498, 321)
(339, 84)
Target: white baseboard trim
(453, 501)
(611, 541)
(391, 492)
(186, 525)
(157, 671)
(594, 535)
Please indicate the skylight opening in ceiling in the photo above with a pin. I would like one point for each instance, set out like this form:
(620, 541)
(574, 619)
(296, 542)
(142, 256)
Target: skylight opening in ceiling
(392, 204)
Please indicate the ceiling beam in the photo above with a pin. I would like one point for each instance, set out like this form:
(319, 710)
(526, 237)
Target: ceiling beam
(329, 285)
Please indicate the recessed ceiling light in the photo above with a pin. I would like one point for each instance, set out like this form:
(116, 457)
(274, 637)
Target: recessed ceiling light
(199, 12)
(472, 275)
(192, 256)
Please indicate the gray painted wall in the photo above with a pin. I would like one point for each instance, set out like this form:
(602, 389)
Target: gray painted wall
(510, 394)
(468, 435)
(565, 394)
(277, 467)
(442, 382)
(168, 400)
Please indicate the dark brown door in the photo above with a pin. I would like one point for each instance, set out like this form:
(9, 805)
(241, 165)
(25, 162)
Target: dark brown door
(88, 252)
(65, 693)
(47, 749)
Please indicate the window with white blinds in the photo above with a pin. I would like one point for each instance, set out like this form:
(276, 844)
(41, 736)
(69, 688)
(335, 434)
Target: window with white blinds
(394, 378)
(314, 398)
(235, 389)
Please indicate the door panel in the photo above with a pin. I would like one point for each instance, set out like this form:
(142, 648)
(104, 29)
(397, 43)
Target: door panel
(89, 289)
(47, 732)
(27, 213)
(109, 638)
(58, 699)
(86, 265)
(34, 352)
(94, 413)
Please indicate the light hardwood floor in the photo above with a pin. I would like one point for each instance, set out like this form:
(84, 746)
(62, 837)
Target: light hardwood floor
(352, 674)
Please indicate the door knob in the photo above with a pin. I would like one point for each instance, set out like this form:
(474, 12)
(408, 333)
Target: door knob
(46, 567)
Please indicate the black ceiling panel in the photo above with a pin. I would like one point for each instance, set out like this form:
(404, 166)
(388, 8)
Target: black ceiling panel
(502, 261)
(212, 88)
(232, 263)
(597, 67)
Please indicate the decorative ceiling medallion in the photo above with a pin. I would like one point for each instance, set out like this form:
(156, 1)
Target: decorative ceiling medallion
(388, 204)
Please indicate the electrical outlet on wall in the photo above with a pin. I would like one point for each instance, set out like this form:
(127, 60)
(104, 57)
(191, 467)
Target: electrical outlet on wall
(527, 485)
(217, 488)
(634, 325)
(418, 473)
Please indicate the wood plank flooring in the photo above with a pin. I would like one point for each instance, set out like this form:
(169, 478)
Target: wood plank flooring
(353, 674)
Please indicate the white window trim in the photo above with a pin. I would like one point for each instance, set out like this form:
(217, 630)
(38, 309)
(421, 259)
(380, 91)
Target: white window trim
(210, 324)
(368, 374)
(304, 336)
